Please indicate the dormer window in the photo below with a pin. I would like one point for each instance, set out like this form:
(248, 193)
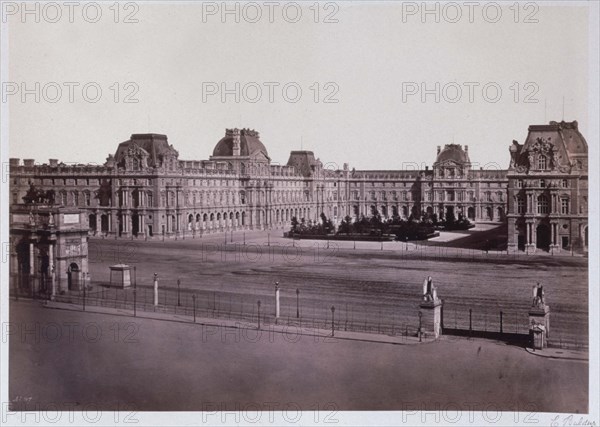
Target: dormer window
(542, 162)
(542, 183)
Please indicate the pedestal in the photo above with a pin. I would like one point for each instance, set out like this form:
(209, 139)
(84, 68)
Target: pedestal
(120, 276)
(431, 319)
(539, 323)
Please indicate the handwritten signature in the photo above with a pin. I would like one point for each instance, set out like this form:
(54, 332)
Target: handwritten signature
(570, 420)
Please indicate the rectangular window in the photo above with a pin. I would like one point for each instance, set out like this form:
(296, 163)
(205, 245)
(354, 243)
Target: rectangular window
(543, 205)
(564, 206)
(520, 205)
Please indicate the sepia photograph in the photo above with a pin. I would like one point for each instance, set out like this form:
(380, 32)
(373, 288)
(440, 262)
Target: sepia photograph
(299, 213)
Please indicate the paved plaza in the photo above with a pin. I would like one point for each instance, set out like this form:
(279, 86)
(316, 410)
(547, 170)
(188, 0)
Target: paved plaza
(71, 359)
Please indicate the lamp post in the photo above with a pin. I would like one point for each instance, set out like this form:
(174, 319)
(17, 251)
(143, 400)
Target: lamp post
(194, 301)
(134, 292)
(276, 301)
(420, 316)
(155, 289)
(258, 304)
(332, 320)
(178, 293)
(297, 303)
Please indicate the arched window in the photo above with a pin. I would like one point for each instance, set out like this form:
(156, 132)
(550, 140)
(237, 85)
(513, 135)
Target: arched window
(542, 204)
(542, 162)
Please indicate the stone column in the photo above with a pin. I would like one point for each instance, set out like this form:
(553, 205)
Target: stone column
(98, 222)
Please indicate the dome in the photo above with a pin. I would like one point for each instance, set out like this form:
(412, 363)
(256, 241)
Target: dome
(453, 153)
(249, 144)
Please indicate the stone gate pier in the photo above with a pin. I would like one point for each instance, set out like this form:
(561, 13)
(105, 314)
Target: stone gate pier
(539, 319)
(430, 314)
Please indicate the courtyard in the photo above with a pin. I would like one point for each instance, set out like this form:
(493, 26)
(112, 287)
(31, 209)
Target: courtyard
(372, 285)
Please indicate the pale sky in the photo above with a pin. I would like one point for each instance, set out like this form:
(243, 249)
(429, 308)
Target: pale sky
(370, 55)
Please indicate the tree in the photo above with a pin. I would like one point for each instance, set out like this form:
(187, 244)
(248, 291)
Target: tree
(345, 225)
(294, 228)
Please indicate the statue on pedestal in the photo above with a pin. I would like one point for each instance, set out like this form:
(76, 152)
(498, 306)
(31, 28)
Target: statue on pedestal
(538, 296)
(429, 291)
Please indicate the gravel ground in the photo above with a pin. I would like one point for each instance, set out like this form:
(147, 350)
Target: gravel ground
(367, 285)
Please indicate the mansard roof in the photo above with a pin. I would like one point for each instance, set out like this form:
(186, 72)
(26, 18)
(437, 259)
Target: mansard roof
(152, 145)
(561, 142)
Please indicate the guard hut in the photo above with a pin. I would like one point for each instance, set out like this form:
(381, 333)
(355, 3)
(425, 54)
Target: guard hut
(120, 276)
(539, 319)
(430, 324)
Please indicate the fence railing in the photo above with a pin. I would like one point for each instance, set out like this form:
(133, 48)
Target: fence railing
(509, 324)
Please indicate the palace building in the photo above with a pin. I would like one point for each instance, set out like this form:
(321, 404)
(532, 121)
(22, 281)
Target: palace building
(548, 189)
(146, 191)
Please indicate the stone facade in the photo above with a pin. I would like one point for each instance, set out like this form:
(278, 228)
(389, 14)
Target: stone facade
(48, 248)
(145, 191)
(548, 189)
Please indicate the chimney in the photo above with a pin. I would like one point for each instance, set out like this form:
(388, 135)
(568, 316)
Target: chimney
(53, 163)
(14, 162)
(29, 163)
(466, 148)
(439, 148)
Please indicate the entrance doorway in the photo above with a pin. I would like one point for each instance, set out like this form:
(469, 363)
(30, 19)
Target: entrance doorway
(73, 276)
(543, 237)
(471, 213)
(135, 224)
(521, 242)
(104, 223)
